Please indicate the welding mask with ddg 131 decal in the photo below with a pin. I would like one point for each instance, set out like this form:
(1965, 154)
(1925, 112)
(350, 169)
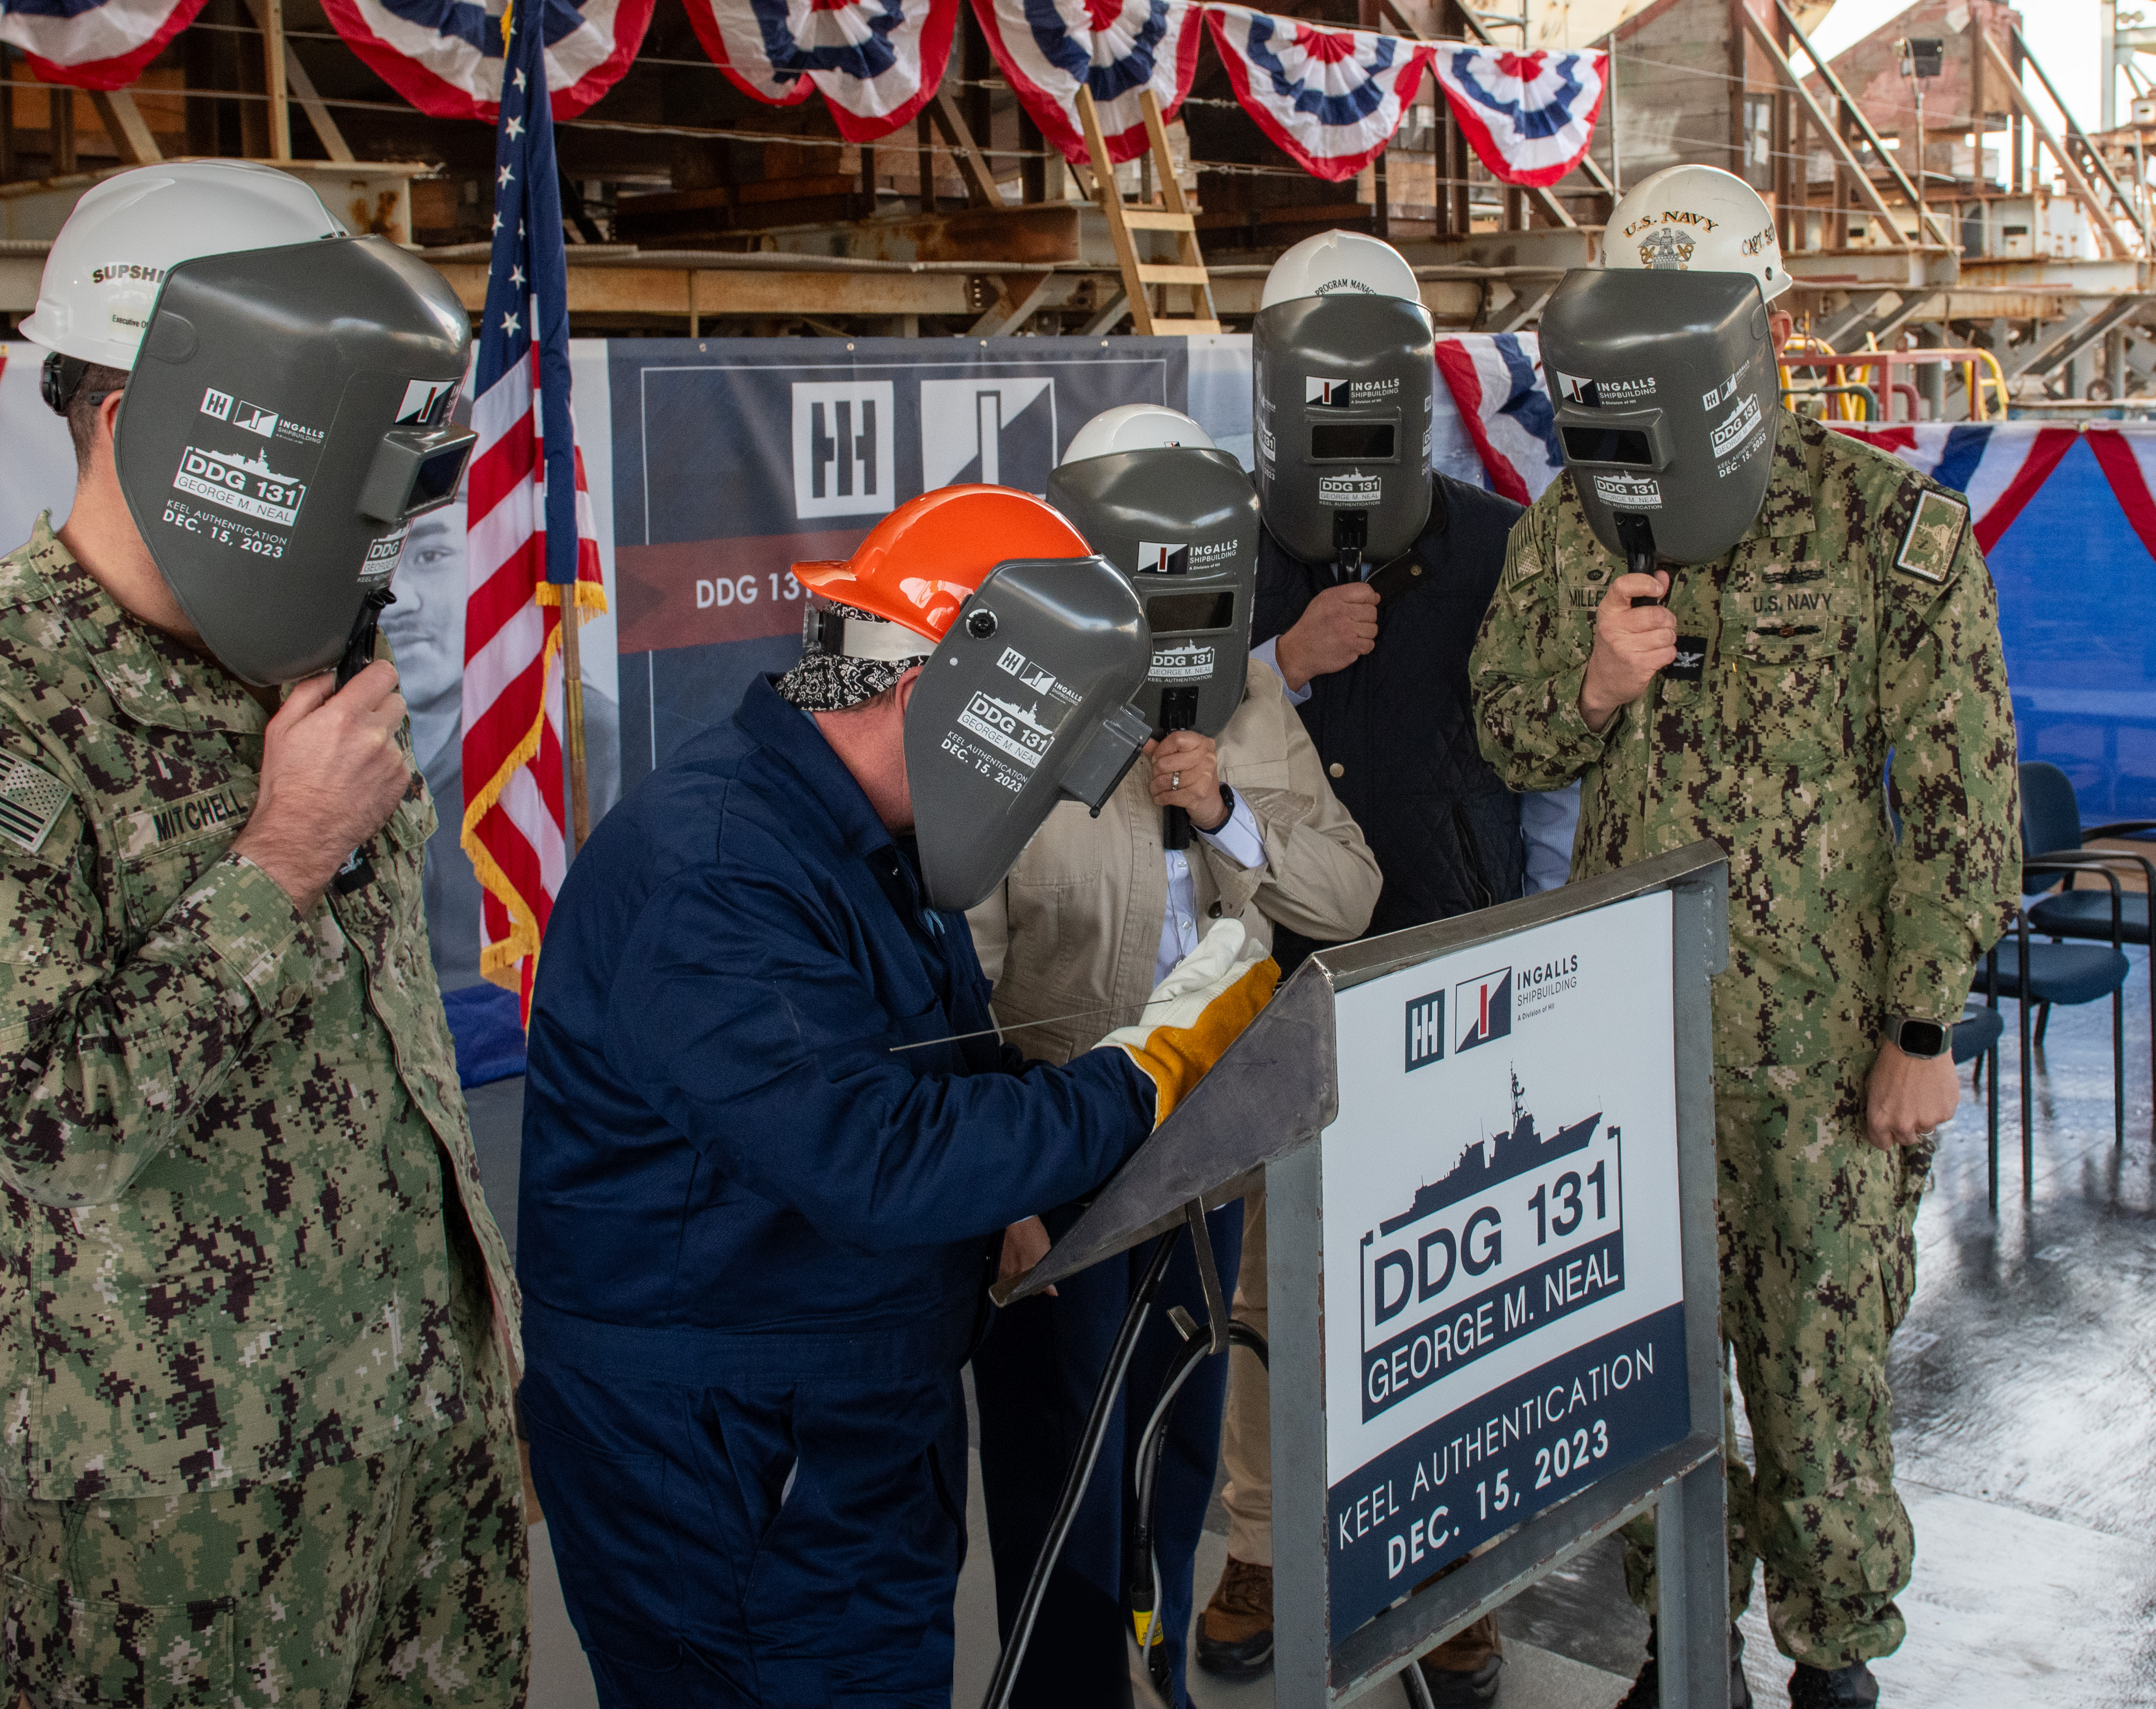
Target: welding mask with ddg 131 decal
(1667, 403)
(1344, 371)
(286, 417)
(1025, 700)
(1151, 493)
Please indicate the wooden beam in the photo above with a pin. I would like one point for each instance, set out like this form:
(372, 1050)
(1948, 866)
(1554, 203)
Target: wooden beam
(303, 90)
(981, 191)
(1835, 140)
(124, 125)
(1018, 295)
(672, 292)
(2099, 215)
(1111, 205)
(276, 80)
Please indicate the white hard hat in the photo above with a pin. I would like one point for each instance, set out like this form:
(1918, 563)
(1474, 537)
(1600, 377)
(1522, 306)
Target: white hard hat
(1700, 219)
(1337, 262)
(1135, 427)
(102, 274)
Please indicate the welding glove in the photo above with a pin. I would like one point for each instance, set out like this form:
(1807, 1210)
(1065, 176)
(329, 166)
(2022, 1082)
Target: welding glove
(1197, 1012)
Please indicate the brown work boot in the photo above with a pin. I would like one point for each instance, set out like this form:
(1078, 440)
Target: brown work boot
(1236, 1633)
(1462, 1672)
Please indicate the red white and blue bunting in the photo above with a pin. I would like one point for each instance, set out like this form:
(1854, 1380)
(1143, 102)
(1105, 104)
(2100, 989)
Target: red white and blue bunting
(1331, 98)
(93, 43)
(1117, 48)
(445, 56)
(877, 62)
(1529, 116)
(1496, 381)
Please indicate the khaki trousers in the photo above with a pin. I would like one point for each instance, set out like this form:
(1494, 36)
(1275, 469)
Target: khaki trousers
(1246, 1439)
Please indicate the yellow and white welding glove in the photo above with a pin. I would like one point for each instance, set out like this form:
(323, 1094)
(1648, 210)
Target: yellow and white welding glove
(1197, 1012)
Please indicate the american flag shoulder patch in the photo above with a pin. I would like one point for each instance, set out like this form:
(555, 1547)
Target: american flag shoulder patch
(31, 801)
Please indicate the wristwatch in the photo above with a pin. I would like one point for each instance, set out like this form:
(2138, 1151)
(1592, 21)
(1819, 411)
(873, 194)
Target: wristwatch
(1920, 1039)
(1228, 801)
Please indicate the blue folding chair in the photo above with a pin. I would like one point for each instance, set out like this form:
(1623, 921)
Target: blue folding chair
(2051, 825)
(2072, 973)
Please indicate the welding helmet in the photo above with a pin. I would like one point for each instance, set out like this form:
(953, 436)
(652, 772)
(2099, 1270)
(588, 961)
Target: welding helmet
(1667, 403)
(286, 414)
(287, 417)
(1345, 378)
(1038, 648)
(1696, 219)
(1151, 494)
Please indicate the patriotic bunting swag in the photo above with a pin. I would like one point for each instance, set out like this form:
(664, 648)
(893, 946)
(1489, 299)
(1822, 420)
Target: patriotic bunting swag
(1117, 48)
(877, 62)
(446, 56)
(1530, 116)
(1497, 384)
(93, 43)
(1331, 98)
(532, 544)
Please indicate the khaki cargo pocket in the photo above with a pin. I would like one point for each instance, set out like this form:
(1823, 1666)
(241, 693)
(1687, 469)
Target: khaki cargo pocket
(107, 1652)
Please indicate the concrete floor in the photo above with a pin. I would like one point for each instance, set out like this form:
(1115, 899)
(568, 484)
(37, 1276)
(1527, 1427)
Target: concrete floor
(2025, 1435)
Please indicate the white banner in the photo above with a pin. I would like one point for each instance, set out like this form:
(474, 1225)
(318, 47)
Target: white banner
(1501, 1263)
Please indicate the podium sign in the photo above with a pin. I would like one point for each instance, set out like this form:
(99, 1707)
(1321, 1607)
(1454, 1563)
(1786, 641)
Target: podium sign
(1488, 1151)
(1499, 1193)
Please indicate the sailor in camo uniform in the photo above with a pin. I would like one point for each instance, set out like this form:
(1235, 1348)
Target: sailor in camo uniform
(257, 1332)
(1857, 620)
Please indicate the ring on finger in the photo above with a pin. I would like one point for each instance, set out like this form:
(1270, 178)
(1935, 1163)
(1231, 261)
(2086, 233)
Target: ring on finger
(1175, 781)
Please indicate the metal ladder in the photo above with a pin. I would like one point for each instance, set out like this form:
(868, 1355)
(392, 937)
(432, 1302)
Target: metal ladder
(1170, 213)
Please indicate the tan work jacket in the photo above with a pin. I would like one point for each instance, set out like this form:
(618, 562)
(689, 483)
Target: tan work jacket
(1074, 929)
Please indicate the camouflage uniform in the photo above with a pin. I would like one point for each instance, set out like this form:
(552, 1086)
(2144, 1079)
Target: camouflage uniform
(1855, 620)
(256, 1326)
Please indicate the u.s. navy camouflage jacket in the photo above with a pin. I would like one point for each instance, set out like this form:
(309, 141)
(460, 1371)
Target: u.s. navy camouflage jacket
(1854, 622)
(225, 1128)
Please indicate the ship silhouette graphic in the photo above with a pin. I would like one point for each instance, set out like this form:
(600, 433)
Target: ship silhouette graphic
(1483, 1165)
(257, 464)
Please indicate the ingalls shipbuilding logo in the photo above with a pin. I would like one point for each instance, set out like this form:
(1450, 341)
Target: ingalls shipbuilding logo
(1484, 1006)
(1157, 558)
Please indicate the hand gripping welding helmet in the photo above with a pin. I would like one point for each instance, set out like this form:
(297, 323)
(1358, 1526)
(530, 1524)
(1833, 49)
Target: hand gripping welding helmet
(1025, 701)
(1345, 376)
(1663, 370)
(286, 412)
(1153, 494)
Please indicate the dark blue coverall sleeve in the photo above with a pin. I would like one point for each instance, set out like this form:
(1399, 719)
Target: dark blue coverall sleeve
(751, 1032)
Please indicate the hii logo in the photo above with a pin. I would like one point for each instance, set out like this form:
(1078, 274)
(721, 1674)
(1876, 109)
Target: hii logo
(217, 403)
(1330, 394)
(842, 448)
(1425, 1031)
(1484, 1005)
(1160, 558)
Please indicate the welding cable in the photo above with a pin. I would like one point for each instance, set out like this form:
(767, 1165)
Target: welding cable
(1081, 1469)
(1143, 1591)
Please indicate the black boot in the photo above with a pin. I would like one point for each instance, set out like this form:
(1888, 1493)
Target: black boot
(1850, 1687)
(1646, 1692)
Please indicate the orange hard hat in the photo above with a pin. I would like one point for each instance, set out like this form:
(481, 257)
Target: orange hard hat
(919, 564)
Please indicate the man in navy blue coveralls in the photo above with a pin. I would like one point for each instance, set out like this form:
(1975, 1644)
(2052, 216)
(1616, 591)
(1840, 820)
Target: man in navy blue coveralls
(755, 1227)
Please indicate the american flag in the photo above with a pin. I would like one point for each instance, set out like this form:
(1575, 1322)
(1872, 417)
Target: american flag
(532, 538)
